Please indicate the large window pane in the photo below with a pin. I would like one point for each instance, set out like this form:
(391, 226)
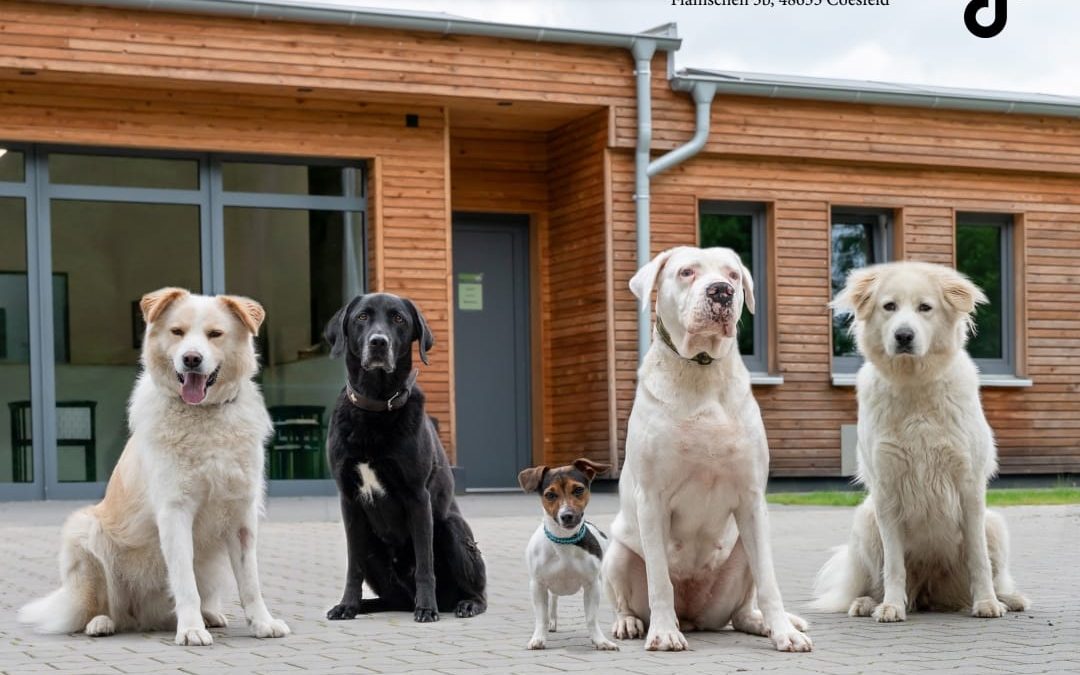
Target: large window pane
(734, 231)
(302, 266)
(12, 166)
(979, 255)
(295, 179)
(857, 240)
(121, 171)
(16, 451)
(109, 254)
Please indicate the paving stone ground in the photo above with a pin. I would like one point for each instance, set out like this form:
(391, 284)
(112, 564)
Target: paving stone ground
(302, 551)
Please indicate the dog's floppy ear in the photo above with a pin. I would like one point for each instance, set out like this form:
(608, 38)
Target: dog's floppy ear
(531, 478)
(642, 283)
(422, 333)
(590, 468)
(857, 292)
(250, 313)
(748, 290)
(961, 292)
(336, 332)
(153, 304)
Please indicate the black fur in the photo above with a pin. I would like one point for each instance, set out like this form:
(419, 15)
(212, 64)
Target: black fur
(591, 544)
(410, 543)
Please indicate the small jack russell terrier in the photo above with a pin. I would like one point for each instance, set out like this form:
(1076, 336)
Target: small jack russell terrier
(565, 552)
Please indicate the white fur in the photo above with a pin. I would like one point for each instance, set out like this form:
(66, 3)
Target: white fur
(183, 501)
(370, 486)
(563, 569)
(923, 538)
(691, 540)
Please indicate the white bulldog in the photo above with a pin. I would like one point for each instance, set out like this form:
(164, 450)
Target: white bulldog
(691, 540)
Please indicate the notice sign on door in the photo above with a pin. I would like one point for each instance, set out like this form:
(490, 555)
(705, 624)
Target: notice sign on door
(470, 292)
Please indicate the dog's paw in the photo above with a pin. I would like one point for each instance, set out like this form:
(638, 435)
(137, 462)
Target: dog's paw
(605, 645)
(1014, 601)
(100, 626)
(469, 608)
(863, 606)
(793, 641)
(665, 640)
(425, 615)
(537, 642)
(214, 619)
(343, 611)
(889, 613)
(800, 623)
(989, 609)
(274, 628)
(193, 637)
(628, 627)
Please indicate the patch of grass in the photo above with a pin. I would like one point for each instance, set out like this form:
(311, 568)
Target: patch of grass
(998, 497)
(822, 498)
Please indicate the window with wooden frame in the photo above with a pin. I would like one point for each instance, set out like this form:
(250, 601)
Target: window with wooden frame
(740, 226)
(985, 253)
(858, 237)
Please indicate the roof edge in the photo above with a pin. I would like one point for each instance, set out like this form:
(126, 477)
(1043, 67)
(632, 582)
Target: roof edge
(772, 87)
(275, 10)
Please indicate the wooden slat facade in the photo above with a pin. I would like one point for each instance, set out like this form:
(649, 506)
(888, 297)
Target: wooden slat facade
(549, 130)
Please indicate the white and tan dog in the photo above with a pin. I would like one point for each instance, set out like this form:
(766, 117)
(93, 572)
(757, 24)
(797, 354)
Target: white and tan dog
(184, 500)
(691, 540)
(923, 537)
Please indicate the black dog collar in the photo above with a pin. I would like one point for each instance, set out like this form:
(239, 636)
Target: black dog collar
(375, 405)
(702, 359)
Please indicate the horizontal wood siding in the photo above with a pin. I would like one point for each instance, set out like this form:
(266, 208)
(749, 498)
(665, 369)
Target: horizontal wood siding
(842, 132)
(186, 47)
(575, 354)
(1038, 429)
(411, 182)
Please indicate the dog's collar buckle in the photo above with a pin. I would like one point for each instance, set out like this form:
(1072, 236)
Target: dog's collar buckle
(702, 359)
(395, 402)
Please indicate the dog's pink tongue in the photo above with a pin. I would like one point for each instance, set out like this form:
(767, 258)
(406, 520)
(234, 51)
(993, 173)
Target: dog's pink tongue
(194, 388)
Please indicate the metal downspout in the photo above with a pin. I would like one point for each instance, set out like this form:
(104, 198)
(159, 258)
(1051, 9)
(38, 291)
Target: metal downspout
(702, 93)
(643, 52)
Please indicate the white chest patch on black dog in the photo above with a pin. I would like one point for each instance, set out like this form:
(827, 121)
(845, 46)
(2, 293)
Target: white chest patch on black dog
(369, 482)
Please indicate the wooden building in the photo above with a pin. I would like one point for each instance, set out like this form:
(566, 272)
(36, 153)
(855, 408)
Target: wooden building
(300, 154)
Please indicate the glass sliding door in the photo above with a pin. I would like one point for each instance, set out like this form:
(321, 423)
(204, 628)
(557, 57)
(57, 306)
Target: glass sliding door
(107, 255)
(87, 232)
(302, 256)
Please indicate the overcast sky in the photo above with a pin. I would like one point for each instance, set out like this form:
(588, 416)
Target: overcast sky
(914, 41)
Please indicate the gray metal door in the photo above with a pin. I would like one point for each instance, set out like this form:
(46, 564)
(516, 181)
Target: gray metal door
(491, 348)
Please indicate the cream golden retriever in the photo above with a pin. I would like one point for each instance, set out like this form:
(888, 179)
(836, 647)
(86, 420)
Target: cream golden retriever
(184, 500)
(923, 539)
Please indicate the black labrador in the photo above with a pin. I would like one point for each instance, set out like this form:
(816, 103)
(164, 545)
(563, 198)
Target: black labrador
(406, 536)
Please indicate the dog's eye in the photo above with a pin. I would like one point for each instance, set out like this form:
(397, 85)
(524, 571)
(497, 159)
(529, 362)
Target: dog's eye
(214, 334)
(550, 496)
(362, 316)
(686, 272)
(397, 318)
(734, 276)
(925, 307)
(177, 331)
(889, 306)
(579, 491)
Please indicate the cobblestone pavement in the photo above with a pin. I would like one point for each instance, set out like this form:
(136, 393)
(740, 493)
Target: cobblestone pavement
(302, 551)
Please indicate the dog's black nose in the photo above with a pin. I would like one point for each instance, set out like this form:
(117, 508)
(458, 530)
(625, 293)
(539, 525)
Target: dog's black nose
(721, 292)
(378, 341)
(904, 337)
(566, 519)
(192, 360)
